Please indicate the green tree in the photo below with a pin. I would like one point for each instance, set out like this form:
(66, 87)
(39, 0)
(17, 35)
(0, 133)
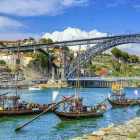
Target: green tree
(66, 48)
(134, 58)
(1, 44)
(2, 62)
(116, 52)
(44, 40)
(125, 56)
(31, 38)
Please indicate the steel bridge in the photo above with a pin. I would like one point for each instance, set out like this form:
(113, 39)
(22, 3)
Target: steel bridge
(100, 44)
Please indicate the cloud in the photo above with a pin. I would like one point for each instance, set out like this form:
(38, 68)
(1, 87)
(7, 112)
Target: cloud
(111, 5)
(37, 7)
(73, 34)
(5, 22)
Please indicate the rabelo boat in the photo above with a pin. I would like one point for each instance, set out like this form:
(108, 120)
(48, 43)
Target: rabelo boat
(73, 109)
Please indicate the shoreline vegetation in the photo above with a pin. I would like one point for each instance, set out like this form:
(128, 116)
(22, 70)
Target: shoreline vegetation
(130, 130)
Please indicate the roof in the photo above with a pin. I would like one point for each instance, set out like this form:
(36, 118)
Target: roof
(56, 61)
(2, 65)
(3, 52)
(33, 56)
(9, 41)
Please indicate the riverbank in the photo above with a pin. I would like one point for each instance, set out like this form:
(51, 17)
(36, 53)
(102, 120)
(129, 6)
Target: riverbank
(130, 130)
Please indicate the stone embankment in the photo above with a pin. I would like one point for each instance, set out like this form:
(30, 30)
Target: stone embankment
(129, 131)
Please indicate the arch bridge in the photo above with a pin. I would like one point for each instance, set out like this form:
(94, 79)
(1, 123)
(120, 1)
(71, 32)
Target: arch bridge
(100, 44)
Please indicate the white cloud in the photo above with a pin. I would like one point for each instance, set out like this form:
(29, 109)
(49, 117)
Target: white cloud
(37, 7)
(73, 34)
(5, 22)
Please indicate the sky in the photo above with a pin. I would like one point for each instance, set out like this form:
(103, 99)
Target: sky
(21, 19)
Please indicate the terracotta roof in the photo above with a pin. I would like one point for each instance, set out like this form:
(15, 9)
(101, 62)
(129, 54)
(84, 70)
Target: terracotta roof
(2, 65)
(56, 61)
(9, 41)
(3, 52)
(30, 56)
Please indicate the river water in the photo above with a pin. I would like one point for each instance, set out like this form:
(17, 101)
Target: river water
(50, 127)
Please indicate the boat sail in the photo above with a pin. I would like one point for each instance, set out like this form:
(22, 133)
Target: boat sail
(16, 107)
(118, 97)
(76, 110)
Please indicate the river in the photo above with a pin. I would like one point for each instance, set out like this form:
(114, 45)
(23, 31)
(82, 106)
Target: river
(50, 127)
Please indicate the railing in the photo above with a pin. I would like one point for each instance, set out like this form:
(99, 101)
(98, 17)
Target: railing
(106, 78)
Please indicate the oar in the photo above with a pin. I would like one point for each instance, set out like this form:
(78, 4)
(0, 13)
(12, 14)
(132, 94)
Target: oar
(4, 94)
(43, 113)
(108, 98)
(131, 104)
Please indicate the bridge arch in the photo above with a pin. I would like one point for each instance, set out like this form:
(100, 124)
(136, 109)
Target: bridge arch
(71, 68)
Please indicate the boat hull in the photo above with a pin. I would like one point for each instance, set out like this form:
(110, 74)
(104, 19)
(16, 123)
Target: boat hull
(24, 112)
(115, 103)
(78, 116)
(138, 103)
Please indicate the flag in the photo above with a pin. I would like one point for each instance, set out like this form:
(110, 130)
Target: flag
(136, 92)
(54, 95)
(108, 94)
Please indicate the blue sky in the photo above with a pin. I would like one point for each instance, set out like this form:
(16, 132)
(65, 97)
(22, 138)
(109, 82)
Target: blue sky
(20, 19)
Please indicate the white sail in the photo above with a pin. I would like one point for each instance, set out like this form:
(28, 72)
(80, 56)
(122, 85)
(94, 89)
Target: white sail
(54, 95)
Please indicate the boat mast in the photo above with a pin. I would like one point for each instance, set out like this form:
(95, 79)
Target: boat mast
(17, 67)
(121, 74)
(79, 71)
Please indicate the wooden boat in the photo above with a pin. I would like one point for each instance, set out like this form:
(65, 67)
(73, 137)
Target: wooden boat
(75, 110)
(21, 108)
(138, 101)
(85, 112)
(118, 98)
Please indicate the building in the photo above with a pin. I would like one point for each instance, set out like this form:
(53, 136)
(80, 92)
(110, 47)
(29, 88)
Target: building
(29, 41)
(5, 74)
(9, 43)
(56, 50)
(2, 54)
(12, 59)
(27, 59)
(57, 63)
(12, 43)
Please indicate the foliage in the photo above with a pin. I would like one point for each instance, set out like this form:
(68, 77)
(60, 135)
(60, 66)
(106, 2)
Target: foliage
(44, 40)
(125, 56)
(134, 58)
(99, 68)
(133, 135)
(2, 62)
(31, 38)
(116, 52)
(44, 60)
(1, 43)
(66, 48)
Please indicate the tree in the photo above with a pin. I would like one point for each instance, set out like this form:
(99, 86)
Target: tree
(134, 58)
(125, 56)
(31, 38)
(66, 48)
(116, 52)
(44, 40)
(2, 62)
(1, 44)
